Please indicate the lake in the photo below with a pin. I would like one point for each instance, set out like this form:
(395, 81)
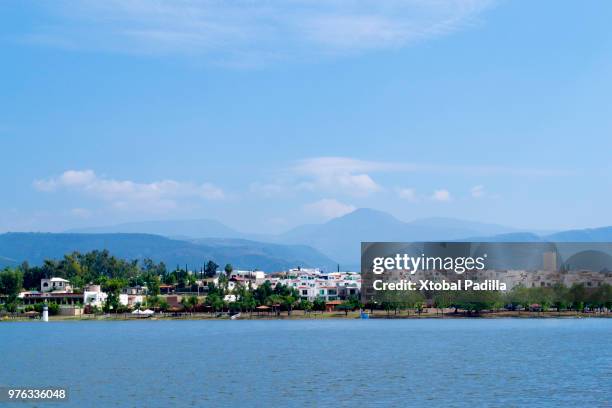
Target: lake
(429, 362)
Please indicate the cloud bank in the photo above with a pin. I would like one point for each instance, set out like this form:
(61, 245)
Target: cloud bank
(127, 194)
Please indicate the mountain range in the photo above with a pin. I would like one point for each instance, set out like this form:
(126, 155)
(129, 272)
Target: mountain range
(322, 245)
(338, 239)
(178, 228)
(36, 247)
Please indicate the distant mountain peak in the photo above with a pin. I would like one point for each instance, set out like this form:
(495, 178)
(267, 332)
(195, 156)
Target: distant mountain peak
(367, 212)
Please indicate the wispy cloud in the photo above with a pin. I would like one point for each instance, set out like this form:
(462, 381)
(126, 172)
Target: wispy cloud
(441, 195)
(324, 165)
(408, 194)
(127, 194)
(356, 177)
(254, 29)
(328, 208)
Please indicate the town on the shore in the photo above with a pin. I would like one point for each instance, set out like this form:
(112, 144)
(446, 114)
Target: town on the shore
(98, 285)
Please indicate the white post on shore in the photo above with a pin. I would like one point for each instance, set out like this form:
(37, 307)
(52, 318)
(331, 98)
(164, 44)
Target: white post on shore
(45, 315)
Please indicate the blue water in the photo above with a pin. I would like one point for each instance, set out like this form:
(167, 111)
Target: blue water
(434, 363)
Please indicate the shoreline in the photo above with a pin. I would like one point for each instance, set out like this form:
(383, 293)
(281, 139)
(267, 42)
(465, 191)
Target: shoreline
(296, 315)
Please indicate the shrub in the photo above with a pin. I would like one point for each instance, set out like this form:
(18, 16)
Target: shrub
(53, 309)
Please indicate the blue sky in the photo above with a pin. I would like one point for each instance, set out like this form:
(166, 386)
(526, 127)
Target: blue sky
(270, 114)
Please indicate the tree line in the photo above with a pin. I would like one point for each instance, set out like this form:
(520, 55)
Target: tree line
(113, 274)
(558, 297)
(98, 267)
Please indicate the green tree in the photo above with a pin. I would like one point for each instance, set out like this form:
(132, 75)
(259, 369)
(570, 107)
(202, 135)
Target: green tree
(578, 296)
(32, 276)
(543, 296)
(153, 282)
(319, 304)
(410, 299)
(11, 283)
(228, 269)
(170, 278)
(477, 301)
(387, 300)
(519, 296)
(275, 301)
(223, 282)
(560, 297)
(248, 301)
(444, 299)
(601, 297)
(53, 309)
(10, 307)
(350, 304)
(305, 305)
(153, 301)
(288, 302)
(214, 301)
(210, 270)
(113, 287)
(191, 302)
(263, 292)
(163, 305)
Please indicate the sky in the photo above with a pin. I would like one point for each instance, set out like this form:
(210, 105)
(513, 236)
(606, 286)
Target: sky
(270, 114)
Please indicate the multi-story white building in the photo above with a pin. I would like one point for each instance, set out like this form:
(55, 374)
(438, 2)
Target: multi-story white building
(312, 284)
(55, 285)
(93, 296)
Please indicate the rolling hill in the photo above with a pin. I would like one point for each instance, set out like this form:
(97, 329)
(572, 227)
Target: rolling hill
(170, 228)
(36, 247)
(603, 234)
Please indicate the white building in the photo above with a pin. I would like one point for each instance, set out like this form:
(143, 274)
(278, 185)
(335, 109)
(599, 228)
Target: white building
(59, 285)
(131, 300)
(94, 296)
(251, 275)
(311, 284)
(307, 271)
